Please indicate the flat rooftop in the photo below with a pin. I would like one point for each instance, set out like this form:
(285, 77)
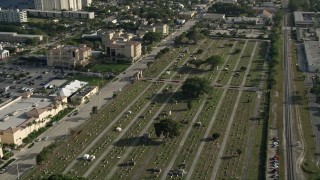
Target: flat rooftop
(21, 107)
(312, 49)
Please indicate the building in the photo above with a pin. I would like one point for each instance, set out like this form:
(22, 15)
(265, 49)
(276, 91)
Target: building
(18, 38)
(187, 14)
(312, 51)
(58, 5)
(229, 1)
(122, 50)
(85, 94)
(306, 19)
(161, 28)
(3, 53)
(71, 89)
(214, 17)
(244, 20)
(15, 16)
(69, 56)
(24, 115)
(61, 14)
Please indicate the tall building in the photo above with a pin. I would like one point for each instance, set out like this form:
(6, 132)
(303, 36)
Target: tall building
(51, 5)
(69, 56)
(13, 16)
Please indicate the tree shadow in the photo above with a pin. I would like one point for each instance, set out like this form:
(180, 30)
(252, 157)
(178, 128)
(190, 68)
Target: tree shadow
(228, 157)
(207, 139)
(137, 141)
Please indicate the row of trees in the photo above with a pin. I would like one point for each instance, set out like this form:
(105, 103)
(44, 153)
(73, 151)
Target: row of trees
(43, 155)
(162, 52)
(231, 9)
(214, 61)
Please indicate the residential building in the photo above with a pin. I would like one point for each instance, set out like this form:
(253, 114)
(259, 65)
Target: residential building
(61, 14)
(187, 14)
(69, 56)
(18, 38)
(58, 5)
(230, 1)
(3, 53)
(23, 115)
(15, 16)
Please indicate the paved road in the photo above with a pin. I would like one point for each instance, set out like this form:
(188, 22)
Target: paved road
(288, 117)
(232, 117)
(26, 158)
(199, 151)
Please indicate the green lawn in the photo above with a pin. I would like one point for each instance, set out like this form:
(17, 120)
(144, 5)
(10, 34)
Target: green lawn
(109, 67)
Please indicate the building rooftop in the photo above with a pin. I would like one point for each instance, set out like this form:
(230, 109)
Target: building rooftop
(312, 49)
(15, 112)
(71, 88)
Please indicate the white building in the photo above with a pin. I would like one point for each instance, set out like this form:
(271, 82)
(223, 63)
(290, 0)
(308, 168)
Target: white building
(3, 53)
(52, 5)
(61, 14)
(13, 16)
(18, 38)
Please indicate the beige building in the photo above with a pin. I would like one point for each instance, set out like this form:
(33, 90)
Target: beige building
(187, 14)
(85, 94)
(13, 16)
(119, 47)
(22, 116)
(69, 56)
(162, 28)
(18, 38)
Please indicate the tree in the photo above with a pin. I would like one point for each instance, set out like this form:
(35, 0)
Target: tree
(189, 104)
(194, 87)
(30, 42)
(214, 60)
(215, 136)
(239, 151)
(167, 127)
(243, 68)
(237, 51)
(94, 110)
(151, 37)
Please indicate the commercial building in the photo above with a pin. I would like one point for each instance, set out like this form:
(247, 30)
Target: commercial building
(306, 19)
(312, 51)
(69, 56)
(58, 5)
(161, 28)
(244, 20)
(18, 38)
(214, 17)
(15, 16)
(85, 94)
(61, 14)
(26, 114)
(121, 49)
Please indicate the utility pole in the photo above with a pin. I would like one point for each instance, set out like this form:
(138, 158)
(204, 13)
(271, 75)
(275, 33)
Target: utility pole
(18, 170)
